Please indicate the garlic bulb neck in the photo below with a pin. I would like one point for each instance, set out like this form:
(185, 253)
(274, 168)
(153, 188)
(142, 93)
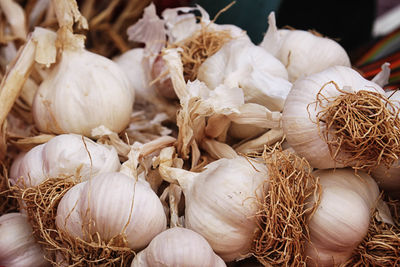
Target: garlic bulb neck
(68, 100)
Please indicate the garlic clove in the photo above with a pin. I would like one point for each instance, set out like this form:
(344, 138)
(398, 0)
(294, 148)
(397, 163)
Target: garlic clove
(179, 247)
(68, 101)
(18, 247)
(115, 204)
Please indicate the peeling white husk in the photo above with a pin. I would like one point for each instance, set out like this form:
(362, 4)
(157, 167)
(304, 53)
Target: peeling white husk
(63, 156)
(178, 247)
(18, 247)
(300, 111)
(261, 76)
(302, 52)
(82, 92)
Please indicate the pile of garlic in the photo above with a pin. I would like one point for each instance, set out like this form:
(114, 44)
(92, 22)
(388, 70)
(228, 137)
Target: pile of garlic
(127, 161)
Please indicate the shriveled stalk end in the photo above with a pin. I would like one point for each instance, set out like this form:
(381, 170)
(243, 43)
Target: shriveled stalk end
(40, 203)
(363, 126)
(291, 196)
(68, 15)
(381, 246)
(200, 46)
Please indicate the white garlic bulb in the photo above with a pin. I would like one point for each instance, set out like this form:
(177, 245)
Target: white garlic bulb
(68, 218)
(221, 203)
(178, 247)
(302, 52)
(82, 92)
(64, 155)
(262, 77)
(300, 111)
(132, 62)
(18, 247)
(388, 178)
(342, 217)
(111, 204)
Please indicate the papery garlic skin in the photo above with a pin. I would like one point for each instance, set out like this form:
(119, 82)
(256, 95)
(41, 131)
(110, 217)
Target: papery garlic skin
(303, 53)
(262, 77)
(178, 247)
(115, 203)
(83, 91)
(64, 155)
(342, 217)
(221, 204)
(18, 247)
(300, 111)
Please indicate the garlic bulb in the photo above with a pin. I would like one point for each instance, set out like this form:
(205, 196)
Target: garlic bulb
(221, 203)
(68, 218)
(18, 248)
(388, 177)
(302, 52)
(64, 155)
(300, 111)
(261, 76)
(178, 247)
(132, 62)
(82, 92)
(112, 204)
(342, 217)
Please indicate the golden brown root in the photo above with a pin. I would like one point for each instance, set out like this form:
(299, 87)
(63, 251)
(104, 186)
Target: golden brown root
(381, 246)
(285, 209)
(200, 46)
(7, 202)
(363, 125)
(41, 204)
